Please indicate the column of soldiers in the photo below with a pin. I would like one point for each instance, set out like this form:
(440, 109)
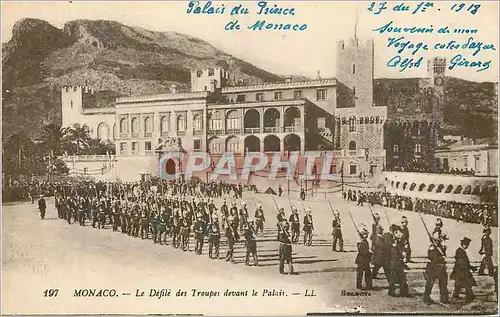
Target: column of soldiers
(151, 215)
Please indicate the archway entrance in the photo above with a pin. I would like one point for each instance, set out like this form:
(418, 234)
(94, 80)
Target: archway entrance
(170, 167)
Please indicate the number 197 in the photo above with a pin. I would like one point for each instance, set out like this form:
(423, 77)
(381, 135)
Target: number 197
(50, 292)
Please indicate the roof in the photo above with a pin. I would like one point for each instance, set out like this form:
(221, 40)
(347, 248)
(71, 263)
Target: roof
(163, 97)
(282, 85)
(465, 145)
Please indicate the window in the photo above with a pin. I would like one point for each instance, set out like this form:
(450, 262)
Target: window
(278, 95)
(352, 146)
(147, 146)
(259, 97)
(206, 88)
(297, 94)
(197, 122)
(181, 123)
(216, 121)
(123, 125)
(321, 123)
(418, 148)
(85, 170)
(123, 147)
(477, 163)
(241, 98)
(395, 148)
(333, 169)
(135, 125)
(352, 124)
(233, 145)
(197, 144)
(71, 102)
(321, 94)
(354, 90)
(211, 72)
(353, 169)
(199, 73)
(353, 69)
(148, 124)
(135, 147)
(465, 161)
(164, 124)
(232, 120)
(214, 145)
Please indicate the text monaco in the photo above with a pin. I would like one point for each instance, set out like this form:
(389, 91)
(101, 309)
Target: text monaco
(95, 292)
(312, 165)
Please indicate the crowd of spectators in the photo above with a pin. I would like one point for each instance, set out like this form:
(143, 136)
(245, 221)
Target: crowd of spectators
(486, 214)
(420, 166)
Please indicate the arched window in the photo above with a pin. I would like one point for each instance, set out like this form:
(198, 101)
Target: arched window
(352, 124)
(214, 145)
(181, 123)
(164, 124)
(148, 124)
(361, 120)
(431, 187)
(135, 125)
(449, 189)
(233, 145)
(232, 120)
(418, 148)
(216, 120)
(123, 125)
(440, 188)
(352, 146)
(197, 122)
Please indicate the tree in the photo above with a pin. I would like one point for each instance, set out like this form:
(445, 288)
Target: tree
(55, 138)
(98, 147)
(79, 136)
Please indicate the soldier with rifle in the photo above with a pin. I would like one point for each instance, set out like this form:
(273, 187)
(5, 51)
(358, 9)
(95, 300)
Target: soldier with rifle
(243, 215)
(308, 228)
(336, 230)
(285, 248)
(214, 238)
(259, 219)
(251, 243)
(436, 267)
(42, 206)
(230, 238)
(175, 227)
(185, 231)
(381, 253)
(406, 238)
(363, 258)
(199, 233)
(295, 225)
(397, 275)
(280, 217)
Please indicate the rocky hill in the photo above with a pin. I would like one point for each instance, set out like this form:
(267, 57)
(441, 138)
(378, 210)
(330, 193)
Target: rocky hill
(123, 60)
(41, 58)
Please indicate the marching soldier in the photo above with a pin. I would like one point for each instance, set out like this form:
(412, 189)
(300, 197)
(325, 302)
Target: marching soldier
(214, 238)
(199, 234)
(487, 252)
(251, 244)
(302, 194)
(144, 224)
(295, 225)
(234, 213)
(308, 228)
(381, 253)
(116, 218)
(175, 225)
(436, 270)
(280, 191)
(243, 215)
(397, 275)
(462, 272)
(337, 232)
(102, 218)
(285, 249)
(406, 238)
(259, 219)
(123, 219)
(185, 232)
(281, 217)
(230, 237)
(375, 225)
(363, 262)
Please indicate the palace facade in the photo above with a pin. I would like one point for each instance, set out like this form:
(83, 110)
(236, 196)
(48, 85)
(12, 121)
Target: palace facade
(336, 114)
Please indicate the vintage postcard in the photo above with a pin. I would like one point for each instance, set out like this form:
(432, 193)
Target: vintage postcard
(249, 158)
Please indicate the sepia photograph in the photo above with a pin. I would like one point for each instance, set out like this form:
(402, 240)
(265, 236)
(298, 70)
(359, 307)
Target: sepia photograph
(227, 158)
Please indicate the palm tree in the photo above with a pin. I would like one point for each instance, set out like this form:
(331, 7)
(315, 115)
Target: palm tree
(79, 135)
(55, 138)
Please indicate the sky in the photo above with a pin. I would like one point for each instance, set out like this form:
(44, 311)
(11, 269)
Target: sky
(295, 52)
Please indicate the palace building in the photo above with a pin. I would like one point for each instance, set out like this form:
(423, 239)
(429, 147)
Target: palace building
(216, 116)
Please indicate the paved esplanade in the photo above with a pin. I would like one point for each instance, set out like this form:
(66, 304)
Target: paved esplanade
(40, 255)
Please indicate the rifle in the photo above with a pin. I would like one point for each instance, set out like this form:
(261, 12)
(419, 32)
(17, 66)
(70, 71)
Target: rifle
(387, 217)
(430, 237)
(354, 223)
(331, 208)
